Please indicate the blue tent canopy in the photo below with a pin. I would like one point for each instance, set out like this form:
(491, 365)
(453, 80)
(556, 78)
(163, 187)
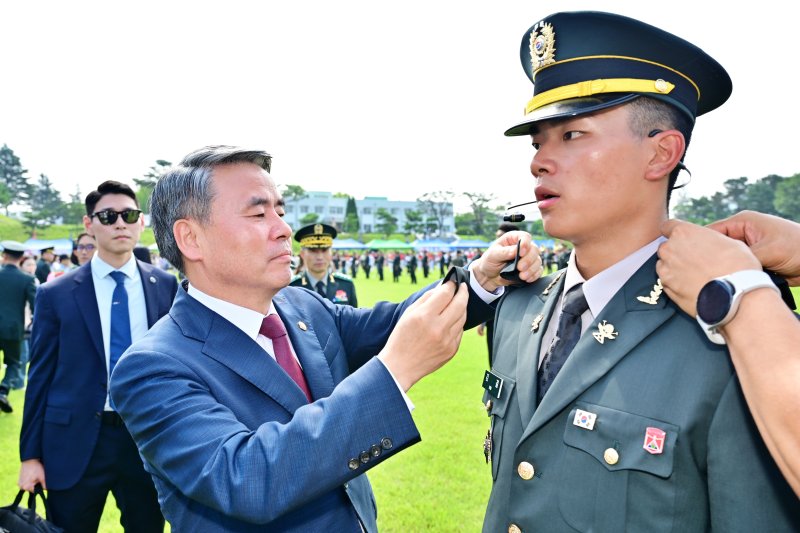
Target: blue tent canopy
(469, 243)
(60, 246)
(348, 244)
(547, 243)
(430, 244)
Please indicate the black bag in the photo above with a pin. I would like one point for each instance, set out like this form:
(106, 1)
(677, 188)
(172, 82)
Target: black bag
(16, 519)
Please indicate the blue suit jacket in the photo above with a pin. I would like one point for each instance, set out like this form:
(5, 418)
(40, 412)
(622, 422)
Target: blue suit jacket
(67, 379)
(231, 441)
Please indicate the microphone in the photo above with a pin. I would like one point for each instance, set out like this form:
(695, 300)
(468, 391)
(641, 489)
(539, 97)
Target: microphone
(517, 217)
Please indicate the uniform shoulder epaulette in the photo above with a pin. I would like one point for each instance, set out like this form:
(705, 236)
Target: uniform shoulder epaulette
(342, 276)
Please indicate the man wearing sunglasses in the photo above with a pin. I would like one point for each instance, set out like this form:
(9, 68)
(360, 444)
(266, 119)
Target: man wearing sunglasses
(73, 442)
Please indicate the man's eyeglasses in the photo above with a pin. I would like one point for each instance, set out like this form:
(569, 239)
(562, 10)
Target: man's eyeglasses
(86, 247)
(109, 216)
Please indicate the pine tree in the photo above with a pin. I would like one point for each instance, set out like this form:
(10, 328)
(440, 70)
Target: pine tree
(14, 186)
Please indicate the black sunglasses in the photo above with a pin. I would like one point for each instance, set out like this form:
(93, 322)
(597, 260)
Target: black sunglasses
(109, 216)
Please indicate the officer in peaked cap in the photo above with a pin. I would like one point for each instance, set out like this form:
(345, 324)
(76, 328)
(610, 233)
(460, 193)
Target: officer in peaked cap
(611, 410)
(315, 250)
(16, 289)
(43, 264)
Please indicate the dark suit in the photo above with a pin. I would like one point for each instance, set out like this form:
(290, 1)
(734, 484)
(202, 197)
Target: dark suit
(713, 471)
(231, 441)
(16, 289)
(339, 288)
(67, 383)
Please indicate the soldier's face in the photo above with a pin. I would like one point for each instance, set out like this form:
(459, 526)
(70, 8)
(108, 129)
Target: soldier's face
(589, 174)
(317, 260)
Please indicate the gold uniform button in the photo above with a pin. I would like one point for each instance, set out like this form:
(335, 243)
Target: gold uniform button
(514, 528)
(611, 456)
(525, 470)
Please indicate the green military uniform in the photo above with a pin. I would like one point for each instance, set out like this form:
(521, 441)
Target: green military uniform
(339, 288)
(552, 474)
(645, 427)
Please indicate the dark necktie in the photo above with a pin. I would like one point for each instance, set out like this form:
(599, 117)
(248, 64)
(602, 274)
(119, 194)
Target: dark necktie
(120, 321)
(321, 289)
(567, 336)
(272, 328)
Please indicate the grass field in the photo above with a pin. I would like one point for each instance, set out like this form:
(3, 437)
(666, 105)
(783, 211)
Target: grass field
(439, 485)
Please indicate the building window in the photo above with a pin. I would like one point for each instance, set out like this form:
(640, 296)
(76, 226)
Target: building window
(319, 209)
(393, 210)
(288, 208)
(367, 228)
(304, 209)
(367, 211)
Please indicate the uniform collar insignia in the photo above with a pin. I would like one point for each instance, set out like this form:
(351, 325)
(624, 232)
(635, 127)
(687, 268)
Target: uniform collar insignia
(536, 322)
(552, 283)
(605, 331)
(655, 294)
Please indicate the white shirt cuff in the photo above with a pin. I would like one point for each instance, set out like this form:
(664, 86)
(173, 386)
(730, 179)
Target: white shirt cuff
(483, 294)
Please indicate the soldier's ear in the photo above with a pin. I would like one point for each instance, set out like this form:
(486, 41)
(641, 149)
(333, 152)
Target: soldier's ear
(667, 148)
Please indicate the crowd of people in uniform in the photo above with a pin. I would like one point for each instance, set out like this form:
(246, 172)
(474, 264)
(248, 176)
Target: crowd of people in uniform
(633, 384)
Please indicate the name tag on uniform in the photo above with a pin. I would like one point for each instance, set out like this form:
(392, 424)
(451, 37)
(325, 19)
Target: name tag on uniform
(493, 384)
(584, 419)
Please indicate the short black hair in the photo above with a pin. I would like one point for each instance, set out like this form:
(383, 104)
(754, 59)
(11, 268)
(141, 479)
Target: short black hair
(108, 187)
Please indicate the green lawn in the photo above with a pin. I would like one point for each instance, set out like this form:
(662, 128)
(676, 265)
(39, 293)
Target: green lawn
(440, 484)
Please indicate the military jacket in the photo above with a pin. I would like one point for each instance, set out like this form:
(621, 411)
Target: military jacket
(340, 289)
(645, 428)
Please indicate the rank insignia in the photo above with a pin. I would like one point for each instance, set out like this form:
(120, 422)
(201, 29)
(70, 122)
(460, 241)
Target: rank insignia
(655, 294)
(605, 331)
(584, 419)
(543, 46)
(654, 440)
(552, 284)
(536, 322)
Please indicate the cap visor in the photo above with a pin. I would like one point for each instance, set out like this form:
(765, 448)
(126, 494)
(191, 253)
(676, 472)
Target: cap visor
(567, 109)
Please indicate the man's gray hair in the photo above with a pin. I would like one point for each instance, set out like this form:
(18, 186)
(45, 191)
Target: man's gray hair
(186, 192)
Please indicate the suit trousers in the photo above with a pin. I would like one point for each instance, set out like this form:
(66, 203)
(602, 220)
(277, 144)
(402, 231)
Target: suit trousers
(115, 466)
(11, 349)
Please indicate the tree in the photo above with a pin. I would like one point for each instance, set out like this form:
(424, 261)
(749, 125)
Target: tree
(736, 193)
(761, 194)
(147, 183)
(14, 186)
(309, 218)
(414, 223)
(787, 198)
(45, 205)
(465, 222)
(388, 222)
(72, 212)
(436, 206)
(479, 203)
(351, 223)
(292, 194)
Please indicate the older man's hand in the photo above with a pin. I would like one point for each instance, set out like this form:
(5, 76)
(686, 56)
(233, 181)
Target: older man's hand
(487, 269)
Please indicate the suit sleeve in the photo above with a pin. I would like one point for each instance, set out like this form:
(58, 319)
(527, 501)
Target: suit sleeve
(746, 489)
(189, 438)
(43, 360)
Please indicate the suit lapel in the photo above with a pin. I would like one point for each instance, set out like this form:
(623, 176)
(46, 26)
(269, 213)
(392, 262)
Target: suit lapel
(307, 346)
(86, 302)
(530, 344)
(631, 318)
(149, 287)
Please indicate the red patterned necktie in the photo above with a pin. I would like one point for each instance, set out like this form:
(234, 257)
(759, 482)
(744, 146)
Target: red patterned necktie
(272, 328)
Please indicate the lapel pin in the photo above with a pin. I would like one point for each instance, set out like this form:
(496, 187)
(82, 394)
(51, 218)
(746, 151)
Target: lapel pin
(605, 331)
(302, 325)
(654, 440)
(552, 284)
(536, 322)
(152, 279)
(584, 419)
(655, 294)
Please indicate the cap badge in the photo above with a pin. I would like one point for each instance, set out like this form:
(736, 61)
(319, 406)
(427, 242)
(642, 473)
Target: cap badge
(543, 46)
(318, 229)
(605, 331)
(655, 294)
(654, 440)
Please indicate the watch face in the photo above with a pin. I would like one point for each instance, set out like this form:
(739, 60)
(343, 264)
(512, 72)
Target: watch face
(714, 301)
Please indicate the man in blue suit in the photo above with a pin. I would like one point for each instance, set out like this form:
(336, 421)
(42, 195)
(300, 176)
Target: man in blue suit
(257, 406)
(72, 440)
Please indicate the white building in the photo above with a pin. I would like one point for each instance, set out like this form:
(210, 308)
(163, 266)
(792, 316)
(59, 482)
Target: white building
(331, 210)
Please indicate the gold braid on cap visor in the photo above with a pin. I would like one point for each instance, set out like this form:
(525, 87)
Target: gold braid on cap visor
(317, 241)
(613, 85)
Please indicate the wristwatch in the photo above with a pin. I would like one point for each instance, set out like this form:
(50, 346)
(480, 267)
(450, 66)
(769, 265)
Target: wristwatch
(719, 299)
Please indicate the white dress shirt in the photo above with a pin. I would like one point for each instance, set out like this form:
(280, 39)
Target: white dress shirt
(104, 286)
(598, 291)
